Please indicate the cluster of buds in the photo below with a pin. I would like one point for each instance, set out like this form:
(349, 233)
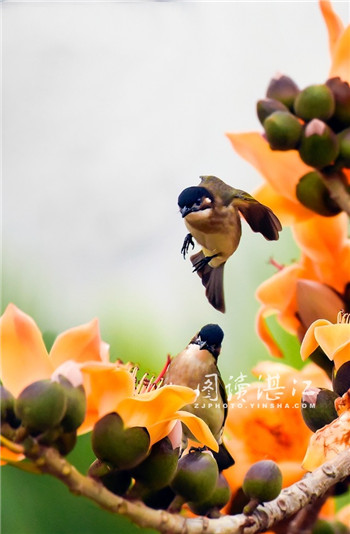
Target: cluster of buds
(128, 466)
(316, 122)
(49, 411)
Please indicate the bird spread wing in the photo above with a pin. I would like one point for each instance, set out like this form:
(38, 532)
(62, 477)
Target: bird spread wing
(259, 217)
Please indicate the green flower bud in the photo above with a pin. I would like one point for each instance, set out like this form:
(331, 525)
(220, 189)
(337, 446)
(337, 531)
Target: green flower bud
(7, 401)
(319, 146)
(313, 193)
(341, 94)
(344, 148)
(318, 407)
(118, 482)
(124, 448)
(41, 405)
(265, 107)
(159, 468)
(76, 405)
(160, 499)
(341, 379)
(283, 130)
(315, 102)
(263, 481)
(217, 500)
(66, 442)
(284, 89)
(196, 476)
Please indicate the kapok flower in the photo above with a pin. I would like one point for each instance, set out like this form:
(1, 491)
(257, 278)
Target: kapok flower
(108, 386)
(282, 170)
(334, 339)
(311, 288)
(266, 422)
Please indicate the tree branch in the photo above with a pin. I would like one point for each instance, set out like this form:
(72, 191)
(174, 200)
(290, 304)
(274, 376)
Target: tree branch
(312, 487)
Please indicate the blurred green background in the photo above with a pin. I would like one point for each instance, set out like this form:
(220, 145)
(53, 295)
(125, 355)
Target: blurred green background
(109, 110)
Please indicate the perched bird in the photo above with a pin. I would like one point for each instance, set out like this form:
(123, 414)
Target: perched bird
(212, 215)
(196, 367)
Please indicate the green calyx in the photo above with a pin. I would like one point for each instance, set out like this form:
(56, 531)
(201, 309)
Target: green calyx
(196, 476)
(313, 193)
(123, 448)
(341, 94)
(263, 481)
(283, 130)
(318, 407)
(283, 89)
(344, 148)
(319, 146)
(315, 102)
(41, 405)
(217, 500)
(76, 405)
(159, 468)
(266, 106)
(7, 405)
(341, 379)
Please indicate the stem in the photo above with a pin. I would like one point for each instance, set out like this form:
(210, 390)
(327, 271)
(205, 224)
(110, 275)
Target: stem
(290, 501)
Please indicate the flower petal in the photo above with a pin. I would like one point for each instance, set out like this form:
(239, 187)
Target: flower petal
(309, 343)
(81, 344)
(333, 338)
(199, 429)
(105, 386)
(282, 169)
(289, 212)
(334, 24)
(265, 334)
(341, 57)
(24, 358)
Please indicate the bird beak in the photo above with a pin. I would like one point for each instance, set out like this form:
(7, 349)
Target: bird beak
(185, 211)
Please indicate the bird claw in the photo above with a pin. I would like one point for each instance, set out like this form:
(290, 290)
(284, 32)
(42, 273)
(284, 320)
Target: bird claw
(186, 245)
(202, 263)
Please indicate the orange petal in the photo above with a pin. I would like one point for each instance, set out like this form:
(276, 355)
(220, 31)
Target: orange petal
(265, 334)
(81, 344)
(334, 24)
(199, 429)
(309, 343)
(161, 404)
(333, 339)
(281, 169)
(341, 57)
(24, 358)
(7, 455)
(289, 212)
(327, 442)
(105, 386)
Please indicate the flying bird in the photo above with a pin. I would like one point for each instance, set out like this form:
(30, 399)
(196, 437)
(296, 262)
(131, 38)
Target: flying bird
(212, 212)
(196, 367)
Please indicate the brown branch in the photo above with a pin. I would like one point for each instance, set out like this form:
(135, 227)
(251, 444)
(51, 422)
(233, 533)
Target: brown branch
(313, 486)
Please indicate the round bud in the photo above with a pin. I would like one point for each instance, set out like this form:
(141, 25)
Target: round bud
(263, 481)
(315, 102)
(283, 130)
(76, 405)
(124, 448)
(41, 405)
(66, 442)
(284, 89)
(118, 482)
(341, 94)
(196, 476)
(217, 500)
(341, 379)
(319, 146)
(7, 401)
(313, 193)
(318, 407)
(159, 468)
(265, 107)
(344, 148)
(160, 499)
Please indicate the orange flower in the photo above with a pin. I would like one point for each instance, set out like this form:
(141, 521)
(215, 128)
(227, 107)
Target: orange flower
(108, 386)
(334, 339)
(258, 428)
(312, 287)
(282, 170)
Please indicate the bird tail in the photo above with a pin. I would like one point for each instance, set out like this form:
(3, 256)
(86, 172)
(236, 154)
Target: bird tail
(223, 458)
(213, 281)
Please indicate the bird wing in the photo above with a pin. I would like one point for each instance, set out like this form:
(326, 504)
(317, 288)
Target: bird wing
(259, 217)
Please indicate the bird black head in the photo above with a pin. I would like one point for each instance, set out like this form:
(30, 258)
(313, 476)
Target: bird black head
(210, 338)
(194, 198)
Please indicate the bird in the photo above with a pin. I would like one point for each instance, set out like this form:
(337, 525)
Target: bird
(211, 212)
(196, 367)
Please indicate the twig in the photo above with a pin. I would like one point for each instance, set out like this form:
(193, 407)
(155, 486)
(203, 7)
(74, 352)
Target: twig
(313, 486)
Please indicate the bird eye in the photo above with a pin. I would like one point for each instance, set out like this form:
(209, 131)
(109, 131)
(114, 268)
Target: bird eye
(198, 203)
